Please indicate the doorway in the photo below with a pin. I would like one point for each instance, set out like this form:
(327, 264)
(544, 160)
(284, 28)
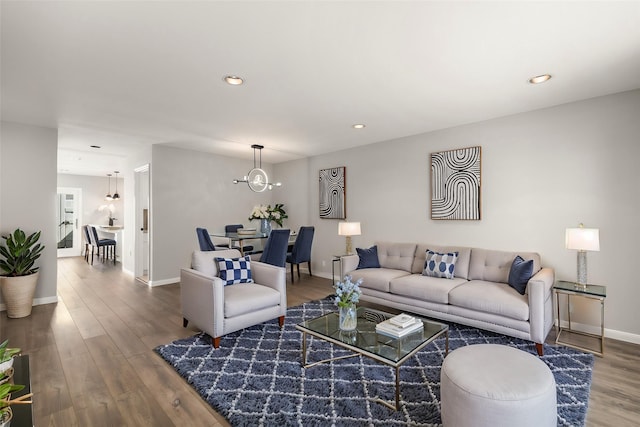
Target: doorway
(68, 214)
(143, 224)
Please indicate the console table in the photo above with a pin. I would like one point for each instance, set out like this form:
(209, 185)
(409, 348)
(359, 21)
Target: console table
(22, 414)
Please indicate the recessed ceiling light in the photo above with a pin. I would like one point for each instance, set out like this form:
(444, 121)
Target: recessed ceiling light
(233, 80)
(95, 146)
(539, 79)
(358, 126)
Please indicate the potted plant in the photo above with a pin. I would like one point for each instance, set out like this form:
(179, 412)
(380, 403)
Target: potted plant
(6, 402)
(6, 356)
(20, 276)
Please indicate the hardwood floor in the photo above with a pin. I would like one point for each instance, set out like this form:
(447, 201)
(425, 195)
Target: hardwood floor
(92, 359)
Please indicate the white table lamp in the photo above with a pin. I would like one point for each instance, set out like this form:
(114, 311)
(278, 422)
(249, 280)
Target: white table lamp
(583, 240)
(349, 229)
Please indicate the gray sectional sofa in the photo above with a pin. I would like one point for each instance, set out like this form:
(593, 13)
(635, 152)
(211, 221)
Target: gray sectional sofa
(478, 295)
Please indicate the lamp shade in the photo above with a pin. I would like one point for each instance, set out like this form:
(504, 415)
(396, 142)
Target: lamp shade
(349, 229)
(583, 239)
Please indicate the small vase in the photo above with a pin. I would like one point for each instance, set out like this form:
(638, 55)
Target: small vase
(348, 318)
(265, 226)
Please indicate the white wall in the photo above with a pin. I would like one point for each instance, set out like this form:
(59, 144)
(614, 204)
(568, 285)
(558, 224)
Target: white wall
(28, 194)
(95, 209)
(542, 172)
(141, 158)
(192, 189)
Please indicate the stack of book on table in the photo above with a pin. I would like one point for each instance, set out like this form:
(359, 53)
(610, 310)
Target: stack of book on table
(399, 326)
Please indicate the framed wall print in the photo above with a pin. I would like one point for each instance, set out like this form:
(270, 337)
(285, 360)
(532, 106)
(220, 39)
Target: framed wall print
(332, 193)
(455, 184)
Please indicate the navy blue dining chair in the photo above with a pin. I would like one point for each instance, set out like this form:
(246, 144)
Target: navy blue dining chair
(108, 246)
(301, 251)
(275, 250)
(87, 242)
(204, 240)
(233, 228)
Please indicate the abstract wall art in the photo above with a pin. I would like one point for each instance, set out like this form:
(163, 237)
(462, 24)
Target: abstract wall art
(455, 184)
(332, 193)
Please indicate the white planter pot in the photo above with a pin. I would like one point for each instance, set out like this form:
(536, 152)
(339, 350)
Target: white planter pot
(7, 422)
(17, 294)
(4, 366)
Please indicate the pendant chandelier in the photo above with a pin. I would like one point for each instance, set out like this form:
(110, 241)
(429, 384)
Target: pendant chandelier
(257, 178)
(116, 196)
(109, 196)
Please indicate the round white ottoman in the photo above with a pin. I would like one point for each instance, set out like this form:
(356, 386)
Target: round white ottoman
(496, 385)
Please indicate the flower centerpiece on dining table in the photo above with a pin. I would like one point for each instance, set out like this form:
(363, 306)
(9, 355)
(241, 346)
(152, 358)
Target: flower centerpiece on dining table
(347, 295)
(267, 213)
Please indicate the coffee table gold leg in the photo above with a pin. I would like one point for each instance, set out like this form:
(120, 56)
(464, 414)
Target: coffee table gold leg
(397, 388)
(304, 349)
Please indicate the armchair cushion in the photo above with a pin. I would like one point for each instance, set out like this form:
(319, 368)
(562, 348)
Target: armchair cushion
(249, 298)
(204, 262)
(235, 270)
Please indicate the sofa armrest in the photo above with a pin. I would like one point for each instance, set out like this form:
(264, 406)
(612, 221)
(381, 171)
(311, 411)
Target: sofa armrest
(540, 304)
(348, 264)
(202, 299)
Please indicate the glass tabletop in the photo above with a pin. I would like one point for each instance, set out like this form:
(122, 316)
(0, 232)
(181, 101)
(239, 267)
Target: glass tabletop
(365, 339)
(241, 236)
(597, 290)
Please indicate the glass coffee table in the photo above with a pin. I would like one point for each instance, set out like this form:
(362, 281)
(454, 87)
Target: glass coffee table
(367, 342)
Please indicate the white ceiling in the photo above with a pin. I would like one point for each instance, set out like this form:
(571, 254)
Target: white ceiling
(123, 75)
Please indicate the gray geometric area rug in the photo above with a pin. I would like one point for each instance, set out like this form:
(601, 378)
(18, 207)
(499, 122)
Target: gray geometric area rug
(255, 378)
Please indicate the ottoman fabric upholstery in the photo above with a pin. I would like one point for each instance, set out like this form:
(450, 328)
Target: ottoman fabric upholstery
(496, 385)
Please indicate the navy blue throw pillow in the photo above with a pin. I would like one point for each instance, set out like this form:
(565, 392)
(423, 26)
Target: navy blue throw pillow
(368, 258)
(520, 274)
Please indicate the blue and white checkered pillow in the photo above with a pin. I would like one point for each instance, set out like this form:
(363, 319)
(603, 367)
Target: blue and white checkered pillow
(440, 264)
(234, 270)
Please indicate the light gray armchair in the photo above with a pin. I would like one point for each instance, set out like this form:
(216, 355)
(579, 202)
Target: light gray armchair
(217, 309)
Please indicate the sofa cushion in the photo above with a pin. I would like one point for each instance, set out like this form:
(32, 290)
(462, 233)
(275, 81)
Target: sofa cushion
(376, 278)
(204, 262)
(368, 257)
(462, 264)
(491, 297)
(250, 297)
(439, 264)
(397, 256)
(494, 266)
(425, 288)
(234, 270)
(520, 273)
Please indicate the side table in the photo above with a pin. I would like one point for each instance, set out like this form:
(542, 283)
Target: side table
(570, 289)
(336, 259)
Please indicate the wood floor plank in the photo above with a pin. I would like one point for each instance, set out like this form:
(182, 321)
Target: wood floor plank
(178, 400)
(93, 404)
(48, 383)
(93, 364)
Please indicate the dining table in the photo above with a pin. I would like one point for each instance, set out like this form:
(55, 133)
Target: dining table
(241, 237)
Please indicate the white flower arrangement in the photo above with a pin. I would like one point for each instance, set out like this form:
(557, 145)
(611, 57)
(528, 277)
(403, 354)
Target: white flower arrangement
(275, 213)
(347, 292)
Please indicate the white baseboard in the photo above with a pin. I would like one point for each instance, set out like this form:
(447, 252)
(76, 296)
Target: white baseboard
(163, 282)
(37, 301)
(608, 333)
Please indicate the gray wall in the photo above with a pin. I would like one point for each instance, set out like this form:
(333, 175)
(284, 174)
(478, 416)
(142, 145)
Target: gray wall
(28, 194)
(542, 172)
(192, 189)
